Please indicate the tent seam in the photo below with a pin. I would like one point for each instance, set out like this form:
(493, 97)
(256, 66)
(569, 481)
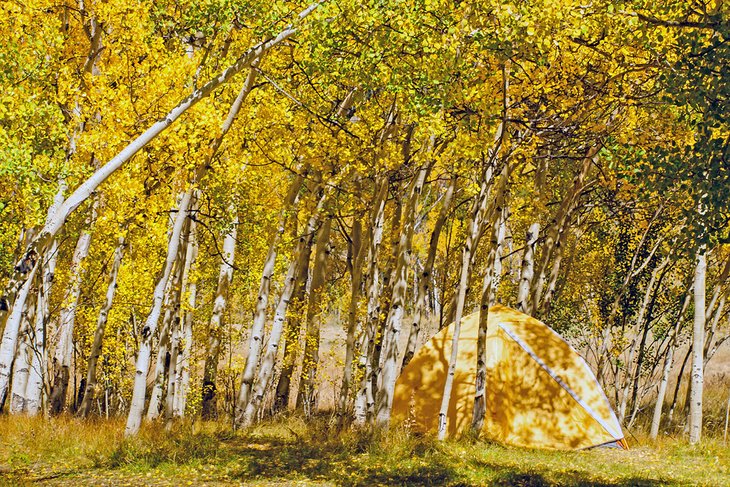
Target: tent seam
(561, 383)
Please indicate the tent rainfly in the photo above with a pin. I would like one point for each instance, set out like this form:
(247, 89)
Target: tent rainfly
(540, 392)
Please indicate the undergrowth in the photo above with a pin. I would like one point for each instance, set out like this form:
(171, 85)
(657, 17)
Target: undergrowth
(67, 451)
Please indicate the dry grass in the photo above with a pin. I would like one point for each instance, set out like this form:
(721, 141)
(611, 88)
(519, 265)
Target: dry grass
(66, 451)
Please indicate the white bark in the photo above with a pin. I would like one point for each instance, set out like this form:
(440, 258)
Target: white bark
(376, 236)
(39, 363)
(394, 320)
(95, 353)
(698, 343)
(528, 268)
(143, 358)
(64, 348)
(21, 367)
(215, 327)
(473, 231)
(269, 359)
(182, 371)
(259, 320)
(306, 397)
(87, 188)
(424, 282)
(668, 361)
(10, 335)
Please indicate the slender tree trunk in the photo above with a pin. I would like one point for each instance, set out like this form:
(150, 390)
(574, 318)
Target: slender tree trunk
(186, 256)
(95, 353)
(294, 325)
(39, 362)
(424, 283)
(162, 364)
(488, 297)
(42, 241)
(259, 319)
(10, 336)
(267, 363)
(679, 383)
(306, 397)
(21, 366)
(64, 348)
(698, 343)
(528, 268)
(634, 341)
(365, 364)
(478, 214)
(557, 227)
(215, 327)
(145, 347)
(395, 314)
(183, 363)
(657, 417)
(357, 251)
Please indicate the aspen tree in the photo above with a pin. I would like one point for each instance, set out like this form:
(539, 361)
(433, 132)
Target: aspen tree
(394, 321)
(268, 360)
(426, 275)
(215, 327)
(698, 342)
(101, 322)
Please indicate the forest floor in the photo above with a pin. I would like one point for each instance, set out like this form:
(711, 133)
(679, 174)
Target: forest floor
(66, 451)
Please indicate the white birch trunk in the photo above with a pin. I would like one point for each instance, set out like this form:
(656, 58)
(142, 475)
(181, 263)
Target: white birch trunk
(269, 359)
(424, 283)
(95, 353)
(64, 348)
(477, 217)
(215, 327)
(88, 187)
(259, 319)
(394, 321)
(39, 363)
(698, 343)
(182, 371)
(21, 367)
(10, 335)
(145, 347)
(528, 268)
(362, 399)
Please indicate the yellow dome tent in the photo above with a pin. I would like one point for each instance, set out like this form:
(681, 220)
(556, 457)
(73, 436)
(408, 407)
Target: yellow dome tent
(540, 392)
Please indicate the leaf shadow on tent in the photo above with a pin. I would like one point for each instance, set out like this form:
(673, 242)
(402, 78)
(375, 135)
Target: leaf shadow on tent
(534, 384)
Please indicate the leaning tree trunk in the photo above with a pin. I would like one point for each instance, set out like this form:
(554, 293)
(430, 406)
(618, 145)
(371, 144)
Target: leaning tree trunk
(424, 282)
(394, 322)
(269, 359)
(499, 213)
(187, 255)
(21, 365)
(365, 365)
(39, 362)
(527, 273)
(256, 338)
(64, 348)
(145, 347)
(294, 325)
(306, 396)
(698, 343)
(215, 327)
(478, 212)
(95, 353)
(183, 364)
(657, 417)
(87, 188)
(634, 341)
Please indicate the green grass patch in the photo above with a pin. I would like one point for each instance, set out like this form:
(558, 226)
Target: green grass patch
(67, 451)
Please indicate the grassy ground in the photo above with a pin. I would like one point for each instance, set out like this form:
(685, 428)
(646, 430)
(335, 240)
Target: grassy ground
(66, 451)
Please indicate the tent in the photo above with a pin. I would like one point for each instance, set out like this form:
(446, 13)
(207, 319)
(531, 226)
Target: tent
(540, 392)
